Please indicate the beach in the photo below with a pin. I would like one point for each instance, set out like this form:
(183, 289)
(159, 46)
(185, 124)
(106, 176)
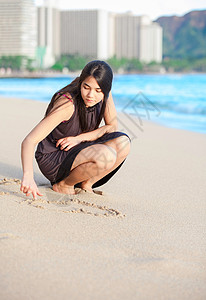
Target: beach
(143, 238)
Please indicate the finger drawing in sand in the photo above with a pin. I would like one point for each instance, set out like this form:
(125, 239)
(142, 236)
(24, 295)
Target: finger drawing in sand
(81, 202)
(74, 149)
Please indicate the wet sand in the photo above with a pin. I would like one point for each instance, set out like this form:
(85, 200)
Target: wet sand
(143, 238)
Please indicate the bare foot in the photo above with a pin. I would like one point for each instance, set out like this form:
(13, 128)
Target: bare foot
(86, 186)
(63, 189)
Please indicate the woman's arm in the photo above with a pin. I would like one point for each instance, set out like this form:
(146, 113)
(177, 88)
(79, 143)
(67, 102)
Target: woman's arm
(62, 113)
(110, 119)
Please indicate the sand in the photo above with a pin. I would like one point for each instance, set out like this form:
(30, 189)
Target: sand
(143, 238)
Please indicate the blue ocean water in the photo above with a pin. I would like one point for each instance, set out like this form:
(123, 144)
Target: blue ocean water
(174, 100)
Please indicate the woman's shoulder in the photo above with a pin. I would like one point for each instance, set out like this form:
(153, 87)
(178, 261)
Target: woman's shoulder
(63, 99)
(64, 105)
(65, 96)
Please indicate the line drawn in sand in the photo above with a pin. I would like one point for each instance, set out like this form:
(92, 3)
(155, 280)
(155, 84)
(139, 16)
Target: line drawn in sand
(60, 202)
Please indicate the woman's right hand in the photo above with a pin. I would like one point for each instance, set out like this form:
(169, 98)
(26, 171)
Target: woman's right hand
(28, 186)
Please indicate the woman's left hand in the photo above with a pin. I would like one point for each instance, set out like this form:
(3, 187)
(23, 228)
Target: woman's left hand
(68, 142)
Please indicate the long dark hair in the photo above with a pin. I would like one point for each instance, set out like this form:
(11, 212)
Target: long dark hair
(103, 74)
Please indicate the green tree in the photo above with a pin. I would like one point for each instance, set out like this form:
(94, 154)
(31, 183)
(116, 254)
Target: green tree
(125, 64)
(72, 62)
(13, 62)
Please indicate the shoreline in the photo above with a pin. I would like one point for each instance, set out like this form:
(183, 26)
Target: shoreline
(141, 121)
(51, 74)
(144, 236)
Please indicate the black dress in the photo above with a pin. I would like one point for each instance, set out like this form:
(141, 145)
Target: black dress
(55, 163)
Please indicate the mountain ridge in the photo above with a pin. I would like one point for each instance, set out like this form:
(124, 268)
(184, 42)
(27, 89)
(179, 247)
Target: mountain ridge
(184, 36)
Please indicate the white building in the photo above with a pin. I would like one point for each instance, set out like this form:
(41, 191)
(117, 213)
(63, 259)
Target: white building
(126, 36)
(150, 41)
(97, 34)
(85, 32)
(17, 28)
(137, 37)
(48, 37)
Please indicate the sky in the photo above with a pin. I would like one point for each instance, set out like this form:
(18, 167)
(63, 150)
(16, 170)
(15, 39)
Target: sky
(151, 8)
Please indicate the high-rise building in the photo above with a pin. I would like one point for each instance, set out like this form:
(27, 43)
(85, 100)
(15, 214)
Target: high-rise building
(17, 28)
(48, 37)
(137, 37)
(85, 32)
(150, 41)
(126, 35)
(49, 33)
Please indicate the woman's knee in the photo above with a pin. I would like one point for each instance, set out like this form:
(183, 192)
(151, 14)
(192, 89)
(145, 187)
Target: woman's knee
(121, 145)
(105, 157)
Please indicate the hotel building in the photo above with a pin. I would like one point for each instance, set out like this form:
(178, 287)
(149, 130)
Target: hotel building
(48, 34)
(18, 28)
(100, 34)
(97, 34)
(137, 37)
(85, 32)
